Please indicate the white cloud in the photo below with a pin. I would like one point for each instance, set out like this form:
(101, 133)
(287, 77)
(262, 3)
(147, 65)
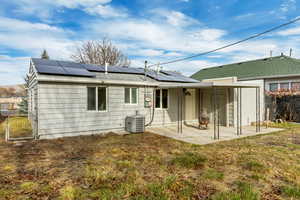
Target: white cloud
(290, 31)
(13, 69)
(107, 11)
(44, 9)
(78, 3)
(148, 52)
(148, 34)
(288, 5)
(10, 24)
(210, 34)
(174, 18)
(33, 37)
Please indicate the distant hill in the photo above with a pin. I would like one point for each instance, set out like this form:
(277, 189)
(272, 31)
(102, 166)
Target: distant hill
(12, 91)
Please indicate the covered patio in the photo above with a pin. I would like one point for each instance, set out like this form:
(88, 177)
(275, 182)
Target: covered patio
(195, 136)
(237, 114)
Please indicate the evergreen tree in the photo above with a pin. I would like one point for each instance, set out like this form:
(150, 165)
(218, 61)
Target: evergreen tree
(45, 55)
(23, 106)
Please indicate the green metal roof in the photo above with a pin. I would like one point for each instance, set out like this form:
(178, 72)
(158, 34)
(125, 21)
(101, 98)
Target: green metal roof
(262, 68)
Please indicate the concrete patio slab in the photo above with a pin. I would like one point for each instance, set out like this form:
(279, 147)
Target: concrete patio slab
(197, 136)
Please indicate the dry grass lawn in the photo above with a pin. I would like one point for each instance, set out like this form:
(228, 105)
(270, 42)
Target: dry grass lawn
(148, 166)
(19, 127)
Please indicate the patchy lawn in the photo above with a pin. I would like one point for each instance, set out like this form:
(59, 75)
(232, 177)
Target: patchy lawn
(148, 166)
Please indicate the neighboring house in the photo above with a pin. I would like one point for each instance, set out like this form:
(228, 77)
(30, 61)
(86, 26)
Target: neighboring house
(280, 72)
(10, 104)
(68, 99)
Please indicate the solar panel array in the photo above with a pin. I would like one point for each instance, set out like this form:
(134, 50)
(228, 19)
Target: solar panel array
(66, 68)
(54, 67)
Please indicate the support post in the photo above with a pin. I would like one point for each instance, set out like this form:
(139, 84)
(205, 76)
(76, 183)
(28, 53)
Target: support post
(240, 111)
(181, 110)
(259, 109)
(178, 107)
(214, 103)
(199, 107)
(256, 109)
(218, 117)
(237, 111)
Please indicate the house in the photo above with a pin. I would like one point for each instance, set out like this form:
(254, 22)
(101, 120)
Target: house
(9, 105)
(69, 99)
(275, 73)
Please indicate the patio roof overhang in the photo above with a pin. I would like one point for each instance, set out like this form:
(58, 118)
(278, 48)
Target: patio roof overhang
(214, 86)
(207, 85)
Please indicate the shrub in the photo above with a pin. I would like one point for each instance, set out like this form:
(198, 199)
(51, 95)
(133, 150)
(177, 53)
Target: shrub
(291, 191)
(189, 160)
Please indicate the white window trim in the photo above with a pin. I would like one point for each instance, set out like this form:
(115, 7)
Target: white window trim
(97, 109)
(130, 96)
(160, 103)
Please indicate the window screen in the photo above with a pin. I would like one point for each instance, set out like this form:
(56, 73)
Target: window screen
(91, 98)
(134, 95)
(273, 87)
(157, 98)
(127, 95)
(101, 98)
(164, 98)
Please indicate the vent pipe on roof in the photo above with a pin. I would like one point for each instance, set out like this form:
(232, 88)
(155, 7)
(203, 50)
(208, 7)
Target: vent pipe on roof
(158, 68)
(291, 51)
(281, 54)
(145, 70)
(271, 52)
(106, 66)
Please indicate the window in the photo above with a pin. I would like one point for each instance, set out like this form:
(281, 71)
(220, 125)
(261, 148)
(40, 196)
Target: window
(97, 98)
(91, 98)
(162, 98)
(273, 87)
(131, 96)
(295, 86)
(101, 98)
(285, 86)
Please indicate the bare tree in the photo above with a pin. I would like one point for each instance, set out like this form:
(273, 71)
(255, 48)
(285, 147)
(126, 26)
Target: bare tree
(100, 52)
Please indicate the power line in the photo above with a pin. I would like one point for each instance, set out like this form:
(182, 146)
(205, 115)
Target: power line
(231, 44)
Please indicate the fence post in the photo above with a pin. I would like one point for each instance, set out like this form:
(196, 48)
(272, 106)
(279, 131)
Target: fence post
(7, 129)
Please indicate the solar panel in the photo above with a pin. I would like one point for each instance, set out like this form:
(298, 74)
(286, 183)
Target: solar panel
(78, 72)
(38, 61)
(47, 69)
(77, 69)
(70, 64)
(96, 68)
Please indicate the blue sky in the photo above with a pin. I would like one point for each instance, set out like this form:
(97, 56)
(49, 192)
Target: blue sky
(153, 30)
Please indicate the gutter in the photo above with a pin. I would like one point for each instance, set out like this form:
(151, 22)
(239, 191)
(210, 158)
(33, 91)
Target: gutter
(94, 81)
(268, 77)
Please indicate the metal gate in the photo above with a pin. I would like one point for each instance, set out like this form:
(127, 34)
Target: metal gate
(18, 127)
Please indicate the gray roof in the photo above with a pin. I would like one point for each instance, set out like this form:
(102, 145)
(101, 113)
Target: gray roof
(67, 68)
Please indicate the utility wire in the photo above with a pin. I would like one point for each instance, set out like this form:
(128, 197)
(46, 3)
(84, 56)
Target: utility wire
(231, 44)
